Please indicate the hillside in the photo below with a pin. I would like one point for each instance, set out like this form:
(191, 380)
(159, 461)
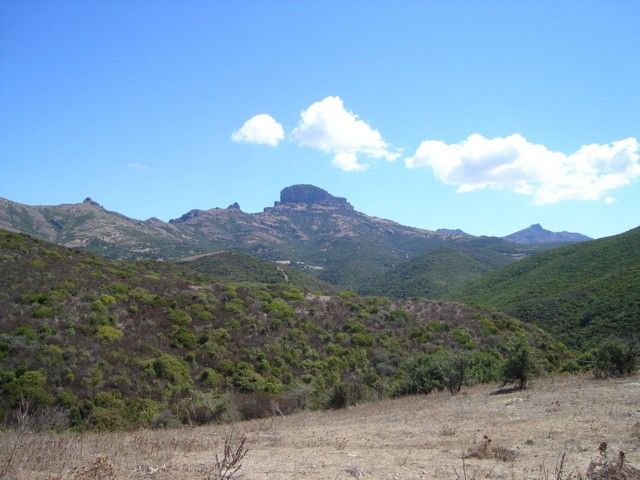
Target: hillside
(537, 234)
(580, 293)
(114, 344)
(441, 270)
(230, 266)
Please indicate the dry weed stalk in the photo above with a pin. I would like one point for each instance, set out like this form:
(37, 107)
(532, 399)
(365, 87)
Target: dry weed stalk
(559, 471)
(234, 451)
(603, 469)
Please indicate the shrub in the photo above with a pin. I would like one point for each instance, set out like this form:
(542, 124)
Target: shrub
(235, 306)
(108, 334)
(210, 378)
(43, 311)
(279, 309)
(179, 317)
(454, 369)
(463, 337)
(141, 411)
(31, 385)
(173, 370)
(615, 357)
(182, 337)
(348, 393)
(202, 409)
(518, 366)
(422, 374)
(485, 367)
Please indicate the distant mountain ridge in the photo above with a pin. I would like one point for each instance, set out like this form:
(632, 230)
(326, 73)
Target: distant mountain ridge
(536, 234)
(307, 226)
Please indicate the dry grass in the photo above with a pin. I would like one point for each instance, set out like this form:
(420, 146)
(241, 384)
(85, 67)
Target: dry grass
(422, 437)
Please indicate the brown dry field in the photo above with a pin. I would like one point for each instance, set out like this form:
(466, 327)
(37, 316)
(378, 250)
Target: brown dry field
(421, 437)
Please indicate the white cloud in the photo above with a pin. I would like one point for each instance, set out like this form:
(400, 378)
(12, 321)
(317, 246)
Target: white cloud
(138, 166)
(329, 127)
(610, 200)
(515, 164)
(262, 129)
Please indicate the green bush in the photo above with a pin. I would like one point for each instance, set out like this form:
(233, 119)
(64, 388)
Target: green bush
(518, 366)
(347, 393)
(179, 317)
(108, 334)
(463, 337)
(31, 386)
(141, 411)
(422, 374)
(235, 306)
(209, 378)
(182, 337)
(279, 309)
(173, 370)
(616, 357)
(485, 367)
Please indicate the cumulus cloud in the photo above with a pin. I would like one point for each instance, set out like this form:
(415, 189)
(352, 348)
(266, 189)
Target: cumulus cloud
(328, 126)
(262, 129)
(515, 164)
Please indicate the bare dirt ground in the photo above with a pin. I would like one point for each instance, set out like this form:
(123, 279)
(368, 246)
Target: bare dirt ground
(422, 437)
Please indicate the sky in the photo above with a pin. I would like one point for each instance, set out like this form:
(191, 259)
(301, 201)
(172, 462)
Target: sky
(486, 116)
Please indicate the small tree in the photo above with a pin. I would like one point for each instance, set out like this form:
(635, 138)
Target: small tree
(615, 357)
(454, 370)
(518, 365)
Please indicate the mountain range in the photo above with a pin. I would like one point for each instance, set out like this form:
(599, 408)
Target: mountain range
(308, 228)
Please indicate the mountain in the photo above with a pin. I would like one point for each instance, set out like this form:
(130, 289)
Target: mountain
(308, 227)
(88, 225)
(537, 234)
(581, 293)
(101, 344)
(441, 270)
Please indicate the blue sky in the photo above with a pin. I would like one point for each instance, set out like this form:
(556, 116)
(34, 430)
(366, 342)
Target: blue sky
(135, 104)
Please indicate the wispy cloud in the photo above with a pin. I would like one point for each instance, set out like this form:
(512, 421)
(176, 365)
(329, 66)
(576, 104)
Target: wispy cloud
(328, 126)
(138, 166)
(261, 129)
(513, 163)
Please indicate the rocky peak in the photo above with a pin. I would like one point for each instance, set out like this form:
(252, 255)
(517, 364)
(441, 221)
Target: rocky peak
(188, 216)
(537, 234)
(311, 195)
(234, 206)
(89, 201)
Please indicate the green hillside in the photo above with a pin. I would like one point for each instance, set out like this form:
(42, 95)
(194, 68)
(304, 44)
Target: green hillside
(101, 344)
(233, 266)
(580, 293)
(441, 270)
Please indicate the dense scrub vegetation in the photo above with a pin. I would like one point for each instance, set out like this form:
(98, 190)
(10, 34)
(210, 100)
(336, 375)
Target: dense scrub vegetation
(582, 293)
(93, 343)
(440, 270)
(233, 266)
